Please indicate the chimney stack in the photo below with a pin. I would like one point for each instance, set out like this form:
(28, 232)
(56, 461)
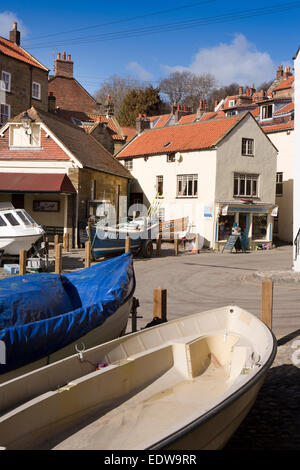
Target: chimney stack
(142, 123)
(51, 102)
(14, 34)
(63, 67)
(287, 72)
(279, 73)
(241, 90)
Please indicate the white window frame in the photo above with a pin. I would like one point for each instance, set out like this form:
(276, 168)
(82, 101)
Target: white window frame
(128, 164)
(3, 81)
(186, 179)
(261, 111)
(231, 103)
(39, 91)
(249, 149)
(246, 177)
(8, 113)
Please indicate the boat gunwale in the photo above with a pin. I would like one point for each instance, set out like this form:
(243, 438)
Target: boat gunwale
(220, 406)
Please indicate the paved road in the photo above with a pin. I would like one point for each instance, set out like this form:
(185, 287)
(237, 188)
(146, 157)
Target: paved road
(197, 282)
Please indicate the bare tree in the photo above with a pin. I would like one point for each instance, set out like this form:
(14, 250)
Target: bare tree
(117, 88)
(186, 87)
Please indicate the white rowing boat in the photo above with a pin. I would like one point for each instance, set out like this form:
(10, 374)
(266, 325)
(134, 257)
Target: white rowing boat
(185, 384)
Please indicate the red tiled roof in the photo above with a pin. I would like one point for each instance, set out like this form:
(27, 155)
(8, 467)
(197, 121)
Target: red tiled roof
(17, 52)
(195, 136)
(129, 132)
(161, 120)
(116, 135)
(286, 109)
(255, 112)
(188, 118)
(279, 127)
(288, 83)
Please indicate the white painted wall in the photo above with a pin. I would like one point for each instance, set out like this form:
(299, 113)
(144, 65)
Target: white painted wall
(284, 141)
(202, 163)
(297, 153)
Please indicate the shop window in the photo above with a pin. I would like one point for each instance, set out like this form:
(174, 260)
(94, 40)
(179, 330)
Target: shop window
(160, 185)
(259, 227)
(245, 185)
(247, 147)
(279, 184)
(225, 226)
(187, 185)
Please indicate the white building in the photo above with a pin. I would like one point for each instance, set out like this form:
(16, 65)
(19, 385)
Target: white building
(217, 172)
(297, 160)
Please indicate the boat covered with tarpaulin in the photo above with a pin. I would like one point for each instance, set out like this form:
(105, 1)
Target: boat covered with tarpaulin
(43, 315)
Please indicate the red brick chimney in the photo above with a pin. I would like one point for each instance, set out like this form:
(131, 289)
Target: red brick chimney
(63, 67)
(14, 34)
(279, 72)
(241, 90)
(287, 72)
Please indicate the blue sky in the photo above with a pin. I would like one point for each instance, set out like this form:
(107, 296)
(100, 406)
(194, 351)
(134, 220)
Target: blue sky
(237, 43)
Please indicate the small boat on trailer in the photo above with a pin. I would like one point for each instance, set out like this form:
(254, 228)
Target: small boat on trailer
(18, 230)
(110, 240)
(186, 384)
(43, 316)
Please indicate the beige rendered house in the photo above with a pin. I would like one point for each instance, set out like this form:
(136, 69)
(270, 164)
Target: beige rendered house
(216, 172)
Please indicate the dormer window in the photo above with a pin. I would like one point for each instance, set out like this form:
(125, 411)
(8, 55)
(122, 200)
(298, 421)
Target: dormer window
(267, 111)
(36, 90)
(231, 103)
(5, 81)
(22, 138)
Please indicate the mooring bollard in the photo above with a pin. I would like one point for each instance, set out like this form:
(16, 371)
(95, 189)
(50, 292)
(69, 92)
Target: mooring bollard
(58, 258)
(127, 245)
(160, 303)
(87, 254)
(22, 262)
(176, 246)
(267, 302)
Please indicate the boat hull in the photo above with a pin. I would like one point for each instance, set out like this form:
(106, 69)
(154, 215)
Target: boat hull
(13, 245)
(185, 384)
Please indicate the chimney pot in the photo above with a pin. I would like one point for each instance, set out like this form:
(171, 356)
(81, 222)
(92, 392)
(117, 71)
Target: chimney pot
(14, 34)
(58, 55)
(64, 56)
(69, 56)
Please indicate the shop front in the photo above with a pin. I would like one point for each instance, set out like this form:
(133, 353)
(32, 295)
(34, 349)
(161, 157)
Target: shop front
(255, 221)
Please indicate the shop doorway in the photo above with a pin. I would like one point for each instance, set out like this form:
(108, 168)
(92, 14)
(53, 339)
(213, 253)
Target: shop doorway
(244, 220)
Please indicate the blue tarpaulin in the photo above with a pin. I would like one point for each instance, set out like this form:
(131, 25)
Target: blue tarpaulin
(42, 313)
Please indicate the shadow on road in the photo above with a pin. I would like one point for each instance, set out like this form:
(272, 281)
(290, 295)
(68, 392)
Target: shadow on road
(274, 421)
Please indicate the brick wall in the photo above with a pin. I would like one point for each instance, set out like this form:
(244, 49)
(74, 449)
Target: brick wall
(19, 98)
(71, 95)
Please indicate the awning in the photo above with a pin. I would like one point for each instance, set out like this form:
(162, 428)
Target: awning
(35, 183)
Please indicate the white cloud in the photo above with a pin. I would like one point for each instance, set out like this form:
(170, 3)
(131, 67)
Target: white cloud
(238, 62)
(139, 71)
(6, 21)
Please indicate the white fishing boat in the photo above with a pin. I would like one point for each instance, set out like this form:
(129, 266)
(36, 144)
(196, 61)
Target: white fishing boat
(18, 230)
(186, 384)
